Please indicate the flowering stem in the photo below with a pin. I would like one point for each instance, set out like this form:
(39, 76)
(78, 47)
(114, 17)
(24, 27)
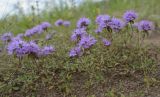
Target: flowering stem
(131, 29)
(139, 42)
(20, 62)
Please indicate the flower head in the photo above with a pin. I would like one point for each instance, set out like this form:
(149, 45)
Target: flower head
(103, 22)
(47, 50)
(116, 24)
(20, 36)
(87, 41)
(37, 29)
(76, 51)
(102, 18)
(18, 47)
(78, 33)
(59, 22)
(83, 22)
(99, 30)
(45, 25)
(66, 23)
(130, 16)
(106, 42)
(6, 37)
(33, 49)
(145, 25)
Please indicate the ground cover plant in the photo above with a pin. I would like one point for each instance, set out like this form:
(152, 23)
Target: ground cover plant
(100, 56)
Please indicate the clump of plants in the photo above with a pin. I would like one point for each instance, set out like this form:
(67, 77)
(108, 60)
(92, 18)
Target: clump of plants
(117, 46)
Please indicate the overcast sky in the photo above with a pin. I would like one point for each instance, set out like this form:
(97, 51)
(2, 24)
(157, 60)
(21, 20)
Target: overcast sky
(7, 6)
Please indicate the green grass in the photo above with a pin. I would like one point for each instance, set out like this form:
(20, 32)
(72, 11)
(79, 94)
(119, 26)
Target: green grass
(115, 71)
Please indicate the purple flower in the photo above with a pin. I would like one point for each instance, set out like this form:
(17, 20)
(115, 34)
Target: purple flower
(33, 49)
(45, 25)
(21, 48)
(87, 41)
(6, 37)
(76, 51)
(130, 16)
(59, 22)
(20, 36)
(28, 33)
(83, 22)
(16, 39)
(103, 22)
(145, 25)
(78, 33)
(102, 18)
(18, 47)
(116, 24)
(37, 29)
(106, 42)
(66, 23)
(47, 50)
(98, 30)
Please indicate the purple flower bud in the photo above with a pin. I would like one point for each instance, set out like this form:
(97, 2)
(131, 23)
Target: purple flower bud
(66, 23)
(106, 42)
(59, 22)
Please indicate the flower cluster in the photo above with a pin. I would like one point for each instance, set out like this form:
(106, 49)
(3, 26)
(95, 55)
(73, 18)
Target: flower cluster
(84, 40)
(6, 37)
(21, 48)
(61, 22)
(37, 29)
(47, 50)
(18, 47)
(110, 24)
